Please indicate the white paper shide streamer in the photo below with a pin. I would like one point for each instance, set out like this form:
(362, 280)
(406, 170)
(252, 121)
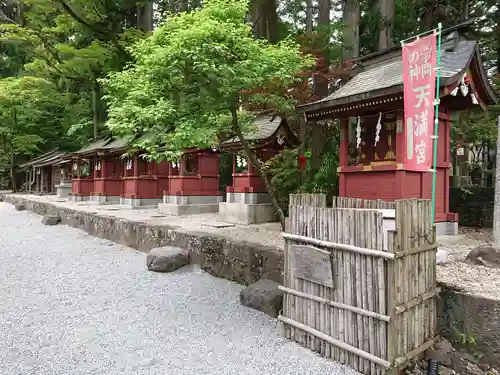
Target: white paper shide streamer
(378, 128)
(358, 133)
(241, 162)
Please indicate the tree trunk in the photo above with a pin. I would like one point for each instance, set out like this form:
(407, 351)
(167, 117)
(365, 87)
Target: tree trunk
(496, 207)
(257, 165)
(259, 19)
(97, 107)
(145, 16)
(319, 130)
(351, 15)
(183, 5)
(273, 29)
(497, 20)
(309, 16)
(386, 8)
(13, 172)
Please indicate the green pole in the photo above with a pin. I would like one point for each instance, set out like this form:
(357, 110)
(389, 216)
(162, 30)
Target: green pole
(436, 121)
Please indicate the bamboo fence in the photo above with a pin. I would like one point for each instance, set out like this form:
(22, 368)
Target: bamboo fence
(349, 299)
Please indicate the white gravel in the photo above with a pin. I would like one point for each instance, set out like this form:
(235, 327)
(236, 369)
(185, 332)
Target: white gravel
(480, 281)
(72, 304)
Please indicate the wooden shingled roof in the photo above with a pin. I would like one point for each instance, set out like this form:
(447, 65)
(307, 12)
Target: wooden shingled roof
(108, 144)
(381, 74)
(265, 127)
(46, 159)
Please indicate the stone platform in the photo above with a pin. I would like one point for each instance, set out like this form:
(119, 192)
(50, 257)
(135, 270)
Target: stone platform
(241, 253)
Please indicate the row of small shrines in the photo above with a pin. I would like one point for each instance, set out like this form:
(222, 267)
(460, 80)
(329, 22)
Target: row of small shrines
(100, 173)
(375, 152)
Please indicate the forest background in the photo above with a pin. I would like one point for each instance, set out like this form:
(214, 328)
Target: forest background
(55, 56)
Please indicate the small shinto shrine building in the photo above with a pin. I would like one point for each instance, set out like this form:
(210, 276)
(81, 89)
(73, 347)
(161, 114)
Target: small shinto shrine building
(247, 200)
(372, 158)
(44, 174)
(193, 186)
(102, 175)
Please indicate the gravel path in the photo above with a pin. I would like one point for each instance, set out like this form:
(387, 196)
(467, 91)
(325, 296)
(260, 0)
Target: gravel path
(72, 304)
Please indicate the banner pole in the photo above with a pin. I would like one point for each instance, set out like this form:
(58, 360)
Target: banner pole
(436, 122)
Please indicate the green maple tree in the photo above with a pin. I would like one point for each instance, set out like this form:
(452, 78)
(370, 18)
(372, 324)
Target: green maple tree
(192, 76)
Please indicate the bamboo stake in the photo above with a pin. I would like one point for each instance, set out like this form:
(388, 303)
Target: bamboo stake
(339, 246)
(364, 296)
(342, 288)
(369, 289)
(344, 346)
(361, 242)
(392, 286)
(382, 306)
(337, 291)
(348, 227)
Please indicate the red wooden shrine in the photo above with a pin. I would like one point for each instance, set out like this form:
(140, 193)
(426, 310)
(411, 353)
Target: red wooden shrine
(108, 184)
(376, 170)
(196, 174)
(193, 186)
(144, 182)
(247, 200)
(82, 184)
(270, 135)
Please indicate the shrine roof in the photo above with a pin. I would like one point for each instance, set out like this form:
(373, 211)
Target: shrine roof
(93, 146)
(39, 159)
(51, 160)
(381, 74)
(264, 127)
(104, 144)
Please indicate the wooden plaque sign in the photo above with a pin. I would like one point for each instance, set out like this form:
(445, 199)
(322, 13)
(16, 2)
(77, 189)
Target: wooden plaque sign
(311, 263)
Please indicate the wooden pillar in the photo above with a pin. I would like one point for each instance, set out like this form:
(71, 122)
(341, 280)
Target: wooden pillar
(136, 166)
(78, 169)
(344, 143)
(104, 167)
(41, 180)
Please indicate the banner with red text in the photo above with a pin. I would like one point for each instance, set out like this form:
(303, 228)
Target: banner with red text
(419, 85)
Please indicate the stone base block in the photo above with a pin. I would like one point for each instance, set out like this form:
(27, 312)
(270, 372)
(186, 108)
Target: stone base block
(178, 205)
(248, 198)
(78, 198)
(447, 228)
(63, 190)
(241, 213)
(186, 209)
(104, 199)
(140, 203)
(19, 207)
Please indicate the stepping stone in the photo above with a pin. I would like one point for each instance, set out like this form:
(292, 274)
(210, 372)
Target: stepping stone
(19, 207)
(264, 296)
(51, 220)
(167, 259)
(484, 256)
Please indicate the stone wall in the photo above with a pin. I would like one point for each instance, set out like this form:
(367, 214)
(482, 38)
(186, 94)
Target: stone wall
(246, 263)
(242, 262)
(475, 317)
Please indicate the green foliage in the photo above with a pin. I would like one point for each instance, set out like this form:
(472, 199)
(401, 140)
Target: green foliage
(474, 205)
(193, 73)
(31, 114)
(325, 178)
(284, 175)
